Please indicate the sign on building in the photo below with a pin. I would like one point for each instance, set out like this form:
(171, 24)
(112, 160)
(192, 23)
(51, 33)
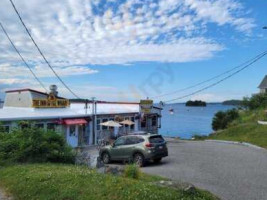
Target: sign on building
(146, 106)
(50, 102)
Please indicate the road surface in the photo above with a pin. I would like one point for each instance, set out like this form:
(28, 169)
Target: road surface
(230, 171)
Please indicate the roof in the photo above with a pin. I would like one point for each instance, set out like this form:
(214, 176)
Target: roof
(26, 89)
(74, 111)
(99, 102)
(263, 84)
(30, 90)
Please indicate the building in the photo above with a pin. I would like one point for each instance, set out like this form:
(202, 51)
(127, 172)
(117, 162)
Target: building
(263, 85)
(78, 120)
(1, 104)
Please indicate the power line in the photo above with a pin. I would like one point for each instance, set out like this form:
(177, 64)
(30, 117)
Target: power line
(260, 56)
(41, 53)
(22, 57)
(208, 80)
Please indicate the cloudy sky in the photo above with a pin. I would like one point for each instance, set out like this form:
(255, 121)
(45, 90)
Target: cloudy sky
(130, 49)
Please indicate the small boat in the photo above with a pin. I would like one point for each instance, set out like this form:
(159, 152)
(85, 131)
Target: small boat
(171, 111)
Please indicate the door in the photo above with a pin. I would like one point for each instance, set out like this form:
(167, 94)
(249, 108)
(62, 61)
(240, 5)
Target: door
(130, 146)
(72, 135)
(117, 149)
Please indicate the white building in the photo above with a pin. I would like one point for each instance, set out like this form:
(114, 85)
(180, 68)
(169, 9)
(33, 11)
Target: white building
(78, 120)
(263, 85)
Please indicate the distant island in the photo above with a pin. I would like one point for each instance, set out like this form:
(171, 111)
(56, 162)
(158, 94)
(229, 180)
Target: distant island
(196, 103)
(232, 102)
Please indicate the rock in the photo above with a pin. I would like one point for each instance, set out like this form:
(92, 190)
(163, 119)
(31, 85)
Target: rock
(190, 189)
(90, 159)
(186, 187)
(114, 169)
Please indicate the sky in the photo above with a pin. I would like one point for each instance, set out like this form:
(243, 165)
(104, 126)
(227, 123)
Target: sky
(127, 50)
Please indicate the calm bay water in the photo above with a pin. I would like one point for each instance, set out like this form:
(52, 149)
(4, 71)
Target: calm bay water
(188, 121)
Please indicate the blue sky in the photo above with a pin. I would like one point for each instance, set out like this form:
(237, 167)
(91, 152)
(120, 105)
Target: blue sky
(130, 49)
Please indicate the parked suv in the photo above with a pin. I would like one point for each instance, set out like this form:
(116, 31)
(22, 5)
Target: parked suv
(135, 148)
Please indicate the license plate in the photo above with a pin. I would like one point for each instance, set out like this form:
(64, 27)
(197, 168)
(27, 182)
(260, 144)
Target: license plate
(160, 147)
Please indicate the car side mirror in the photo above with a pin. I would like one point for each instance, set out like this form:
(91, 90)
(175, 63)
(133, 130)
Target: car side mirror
(113, 145)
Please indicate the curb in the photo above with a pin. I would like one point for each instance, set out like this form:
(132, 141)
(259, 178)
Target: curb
(239, 143)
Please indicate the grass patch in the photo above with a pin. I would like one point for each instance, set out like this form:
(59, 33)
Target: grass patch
(69, 182)
(245, 129)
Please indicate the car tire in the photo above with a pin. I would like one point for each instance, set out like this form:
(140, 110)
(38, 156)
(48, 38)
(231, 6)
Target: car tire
(158, 160)
(138, 159)
(105, 158)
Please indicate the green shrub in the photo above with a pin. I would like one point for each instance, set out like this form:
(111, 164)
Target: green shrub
(132, 171)
(222, 119)
(199, 137)
(31, 144)
(255, 101)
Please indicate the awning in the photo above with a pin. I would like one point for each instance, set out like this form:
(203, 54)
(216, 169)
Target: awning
(75, 121)
(127, 122)
(110, 124)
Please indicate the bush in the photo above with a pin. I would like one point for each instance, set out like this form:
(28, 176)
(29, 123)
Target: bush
(255, 102)
(132, 171)
(222, 119)
(32, 144)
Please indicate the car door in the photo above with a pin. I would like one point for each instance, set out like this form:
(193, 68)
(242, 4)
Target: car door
(116, 152)
(129, 147)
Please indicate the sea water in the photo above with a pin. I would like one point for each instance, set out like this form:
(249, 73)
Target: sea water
(185, 121)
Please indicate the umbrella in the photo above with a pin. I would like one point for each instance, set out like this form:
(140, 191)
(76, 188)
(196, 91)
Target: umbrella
(111, 124)
(127, 122)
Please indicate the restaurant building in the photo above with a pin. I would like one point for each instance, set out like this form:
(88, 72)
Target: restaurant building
(78, 120)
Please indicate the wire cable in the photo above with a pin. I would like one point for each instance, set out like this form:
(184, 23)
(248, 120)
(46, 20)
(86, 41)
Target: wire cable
(41, 53)
(208, 80)
(13, 45)
(260, 56)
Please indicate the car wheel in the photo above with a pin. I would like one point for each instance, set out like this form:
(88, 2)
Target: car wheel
(158, 160)
(138, 159)
(105, 158)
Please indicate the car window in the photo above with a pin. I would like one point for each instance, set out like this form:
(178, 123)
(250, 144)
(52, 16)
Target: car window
(134, 140)
(156, 139)
(120, 141)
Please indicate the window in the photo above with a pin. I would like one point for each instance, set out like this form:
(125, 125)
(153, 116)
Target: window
(120, 141)
(156, 139)
(154, 121)
(134, 140)
(104, 127)
(143, 123)
(24, 124)
(132, 126)
(41, 126)
(51, 126)
(72, 131)
(98, 121)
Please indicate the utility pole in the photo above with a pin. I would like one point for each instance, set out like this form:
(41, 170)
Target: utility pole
(94, 120)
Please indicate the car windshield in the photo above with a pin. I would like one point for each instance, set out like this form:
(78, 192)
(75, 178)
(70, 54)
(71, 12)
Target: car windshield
(156, 139)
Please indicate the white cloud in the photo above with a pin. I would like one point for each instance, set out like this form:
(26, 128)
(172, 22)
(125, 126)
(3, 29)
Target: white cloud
(11, 81)
(73, 32)
(9, 70)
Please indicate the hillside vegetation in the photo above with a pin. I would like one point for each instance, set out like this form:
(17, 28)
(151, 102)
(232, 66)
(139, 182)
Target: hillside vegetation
(245, 129)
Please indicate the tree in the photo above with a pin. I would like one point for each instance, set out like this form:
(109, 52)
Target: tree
(222, 119)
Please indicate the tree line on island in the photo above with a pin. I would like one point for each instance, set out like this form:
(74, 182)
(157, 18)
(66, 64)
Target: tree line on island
(196, 103)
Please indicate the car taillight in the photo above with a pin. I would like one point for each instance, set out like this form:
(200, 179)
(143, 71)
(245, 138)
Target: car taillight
(148, 145)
